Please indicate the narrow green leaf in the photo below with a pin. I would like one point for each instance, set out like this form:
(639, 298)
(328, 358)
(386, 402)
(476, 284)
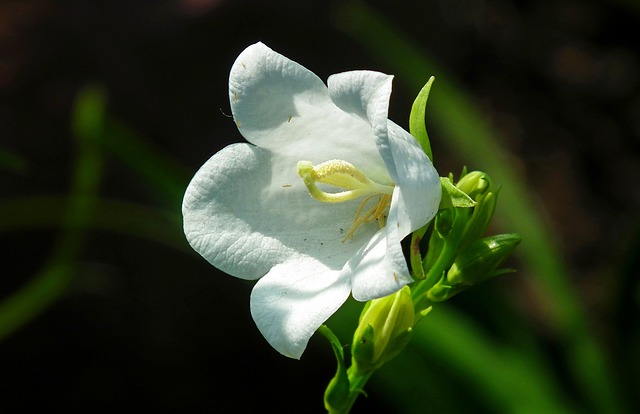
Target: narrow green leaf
(159, 170)
(114, 216)
(417, 125)
(50, 283)
(336, 396)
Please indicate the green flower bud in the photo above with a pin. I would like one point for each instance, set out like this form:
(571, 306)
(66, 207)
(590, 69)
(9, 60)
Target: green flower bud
(384, 329)
(475, 184)
(479, 187)
(476, 263)
(480, 260)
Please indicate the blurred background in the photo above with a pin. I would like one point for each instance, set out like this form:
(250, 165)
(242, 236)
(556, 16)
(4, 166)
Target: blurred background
(107, 108)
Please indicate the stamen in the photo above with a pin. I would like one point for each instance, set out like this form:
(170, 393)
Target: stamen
(376, 212)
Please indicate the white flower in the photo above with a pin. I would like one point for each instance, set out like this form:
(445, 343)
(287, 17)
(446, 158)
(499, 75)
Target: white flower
(283, 209)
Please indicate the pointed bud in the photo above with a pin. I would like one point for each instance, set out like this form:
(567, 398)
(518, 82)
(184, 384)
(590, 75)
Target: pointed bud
(479, 187)
(384, 329)
(476, 263)
(480, 260)
(475, 184)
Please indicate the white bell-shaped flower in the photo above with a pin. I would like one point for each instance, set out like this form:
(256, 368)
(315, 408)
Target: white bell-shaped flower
(316, 204)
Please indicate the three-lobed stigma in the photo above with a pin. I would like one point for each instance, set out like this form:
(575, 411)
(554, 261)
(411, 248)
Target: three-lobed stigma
(354, 183)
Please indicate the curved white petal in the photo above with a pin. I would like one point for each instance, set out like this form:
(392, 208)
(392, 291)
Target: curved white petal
(366, 94)
(417, 193)
(245, 214)
(291, 302)
(371, 276)
(415, 199)
(263, 89)
(282, 106)
(419, 186)
(214, 221)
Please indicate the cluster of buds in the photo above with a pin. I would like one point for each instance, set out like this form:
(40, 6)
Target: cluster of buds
(472, 259)
(457, 257)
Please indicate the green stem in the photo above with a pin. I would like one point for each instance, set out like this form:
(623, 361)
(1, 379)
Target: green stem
(442, 263)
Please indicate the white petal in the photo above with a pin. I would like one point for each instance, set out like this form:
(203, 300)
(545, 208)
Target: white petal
(394, 258)
(264, 87)
(419, 193)
(290, 302)
(366, 94)
(215, 223)
(246, 211)
(371, 276)
(362, 93)
(282, 106)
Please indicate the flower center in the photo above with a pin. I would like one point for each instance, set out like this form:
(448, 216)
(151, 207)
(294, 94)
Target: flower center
(354, 184)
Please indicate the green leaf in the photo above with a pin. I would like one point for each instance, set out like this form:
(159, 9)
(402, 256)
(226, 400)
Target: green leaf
(417, 126)
(338, 391)
(51, 282)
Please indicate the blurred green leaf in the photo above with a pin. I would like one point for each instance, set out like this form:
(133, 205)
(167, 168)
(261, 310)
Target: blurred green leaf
(115, 216)
(50, 284)
(160, 171)
(509, 380)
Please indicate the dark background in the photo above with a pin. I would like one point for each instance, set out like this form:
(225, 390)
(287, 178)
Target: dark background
(147, 324)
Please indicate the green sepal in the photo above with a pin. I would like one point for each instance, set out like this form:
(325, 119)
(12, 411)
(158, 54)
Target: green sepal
(396, 346)
(452, 196)
(415, 252)
(441, 291)
(362, 351)
(336, 396)
(417, 126)
(422, 313)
